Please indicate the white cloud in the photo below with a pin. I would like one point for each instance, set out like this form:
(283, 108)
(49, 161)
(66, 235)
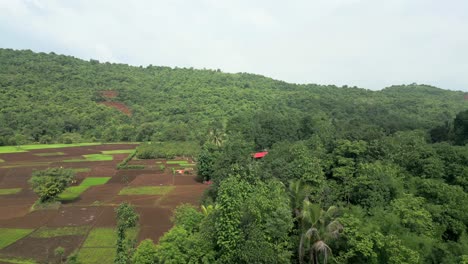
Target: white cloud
(367, 43)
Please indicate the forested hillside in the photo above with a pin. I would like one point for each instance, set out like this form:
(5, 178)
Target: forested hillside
(351, 175)
(48, 98)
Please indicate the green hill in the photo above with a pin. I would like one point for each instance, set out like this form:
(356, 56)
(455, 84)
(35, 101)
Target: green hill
(45, 97)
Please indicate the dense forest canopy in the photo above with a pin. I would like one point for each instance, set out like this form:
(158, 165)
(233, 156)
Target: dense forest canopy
(183, 104)
(352, 175)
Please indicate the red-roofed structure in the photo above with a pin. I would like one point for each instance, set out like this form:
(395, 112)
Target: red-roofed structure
(259, 155)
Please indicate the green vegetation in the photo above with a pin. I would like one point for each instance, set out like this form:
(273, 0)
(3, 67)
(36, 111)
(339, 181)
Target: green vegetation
(73, 192)
(122, 151)
(168, 150)
(147, 190)
(127, 218)
(7, 259)
(352, 175)
(9, 191)
(124, 163)
(47, 154)
(81, 169)
(47, 232)
(179, 162)
(2, 160)
(96, 255)
(49, 183)
(92, 157)
(11, 235)
(25, 148)
(101, 237)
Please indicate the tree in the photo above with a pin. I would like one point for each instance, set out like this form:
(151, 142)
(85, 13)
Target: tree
(49, 183)
(145, 253)
(318, 227)
(126, 218)
(460, 128)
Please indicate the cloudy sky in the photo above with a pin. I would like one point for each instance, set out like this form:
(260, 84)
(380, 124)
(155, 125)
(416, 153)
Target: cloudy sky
(364, 43)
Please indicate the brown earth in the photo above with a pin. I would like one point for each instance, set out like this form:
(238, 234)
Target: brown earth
(42, 249)
(95, 206)
(119, 106)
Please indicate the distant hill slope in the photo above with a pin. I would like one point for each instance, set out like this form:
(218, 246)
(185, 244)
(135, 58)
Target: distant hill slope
(49, 97)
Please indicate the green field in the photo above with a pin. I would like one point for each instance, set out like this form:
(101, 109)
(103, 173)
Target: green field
(2, 160)
(9, 191)
(180, 162)
(120, 151)
(47, 154)
(147, 190)
(92, 157)
(106, 237)
(11, 235)
(6, 259)
(81, 169)
(96, 255)
(73, 192)
(47, 232)
(26, 164)
(25, 148)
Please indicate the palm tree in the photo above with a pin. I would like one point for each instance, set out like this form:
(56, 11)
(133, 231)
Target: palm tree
(217, 136)
(318, 228)
(298, 192)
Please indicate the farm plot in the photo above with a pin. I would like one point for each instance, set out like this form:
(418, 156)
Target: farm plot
(86, 216)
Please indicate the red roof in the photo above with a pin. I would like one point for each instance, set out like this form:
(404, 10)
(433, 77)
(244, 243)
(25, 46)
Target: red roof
(259, 155)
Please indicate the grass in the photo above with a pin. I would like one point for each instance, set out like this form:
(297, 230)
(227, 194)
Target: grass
(147, 190)
(9, 191)
(73, 192)
(92, 157)
(17, 260)
(106, 237)
(96, 255)
(48, 232)
(180, 162)
(54, 205)
(47, 154)
(81, 169)
(27, 164)
(2, 160)
(120, 151)
(25, 148)
(11, 235)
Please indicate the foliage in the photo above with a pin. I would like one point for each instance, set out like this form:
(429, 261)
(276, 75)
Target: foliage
(126, 218)
(145, 253)
(49, 183)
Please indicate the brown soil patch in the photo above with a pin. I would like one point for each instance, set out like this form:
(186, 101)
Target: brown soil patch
(42, 249)
(34, 219)
(119, 106)
(154, 222)
(152, 180)
(183, 194)
(75, 216)
(109, 94)
(107, 217)
(101, 194)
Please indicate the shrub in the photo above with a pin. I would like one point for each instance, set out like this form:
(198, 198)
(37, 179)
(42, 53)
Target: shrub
(49, 183)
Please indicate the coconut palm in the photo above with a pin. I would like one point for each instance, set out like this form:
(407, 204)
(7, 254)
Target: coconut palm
(298, 192)
(217, 136)
(318, 229)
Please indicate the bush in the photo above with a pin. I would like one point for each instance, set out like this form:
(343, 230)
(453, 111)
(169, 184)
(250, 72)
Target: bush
(49, 183)
(123, 164)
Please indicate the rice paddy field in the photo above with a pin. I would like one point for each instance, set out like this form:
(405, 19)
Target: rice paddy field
(83, 220)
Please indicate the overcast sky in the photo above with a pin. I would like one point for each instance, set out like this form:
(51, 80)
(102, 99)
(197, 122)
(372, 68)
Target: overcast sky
(365, 43)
